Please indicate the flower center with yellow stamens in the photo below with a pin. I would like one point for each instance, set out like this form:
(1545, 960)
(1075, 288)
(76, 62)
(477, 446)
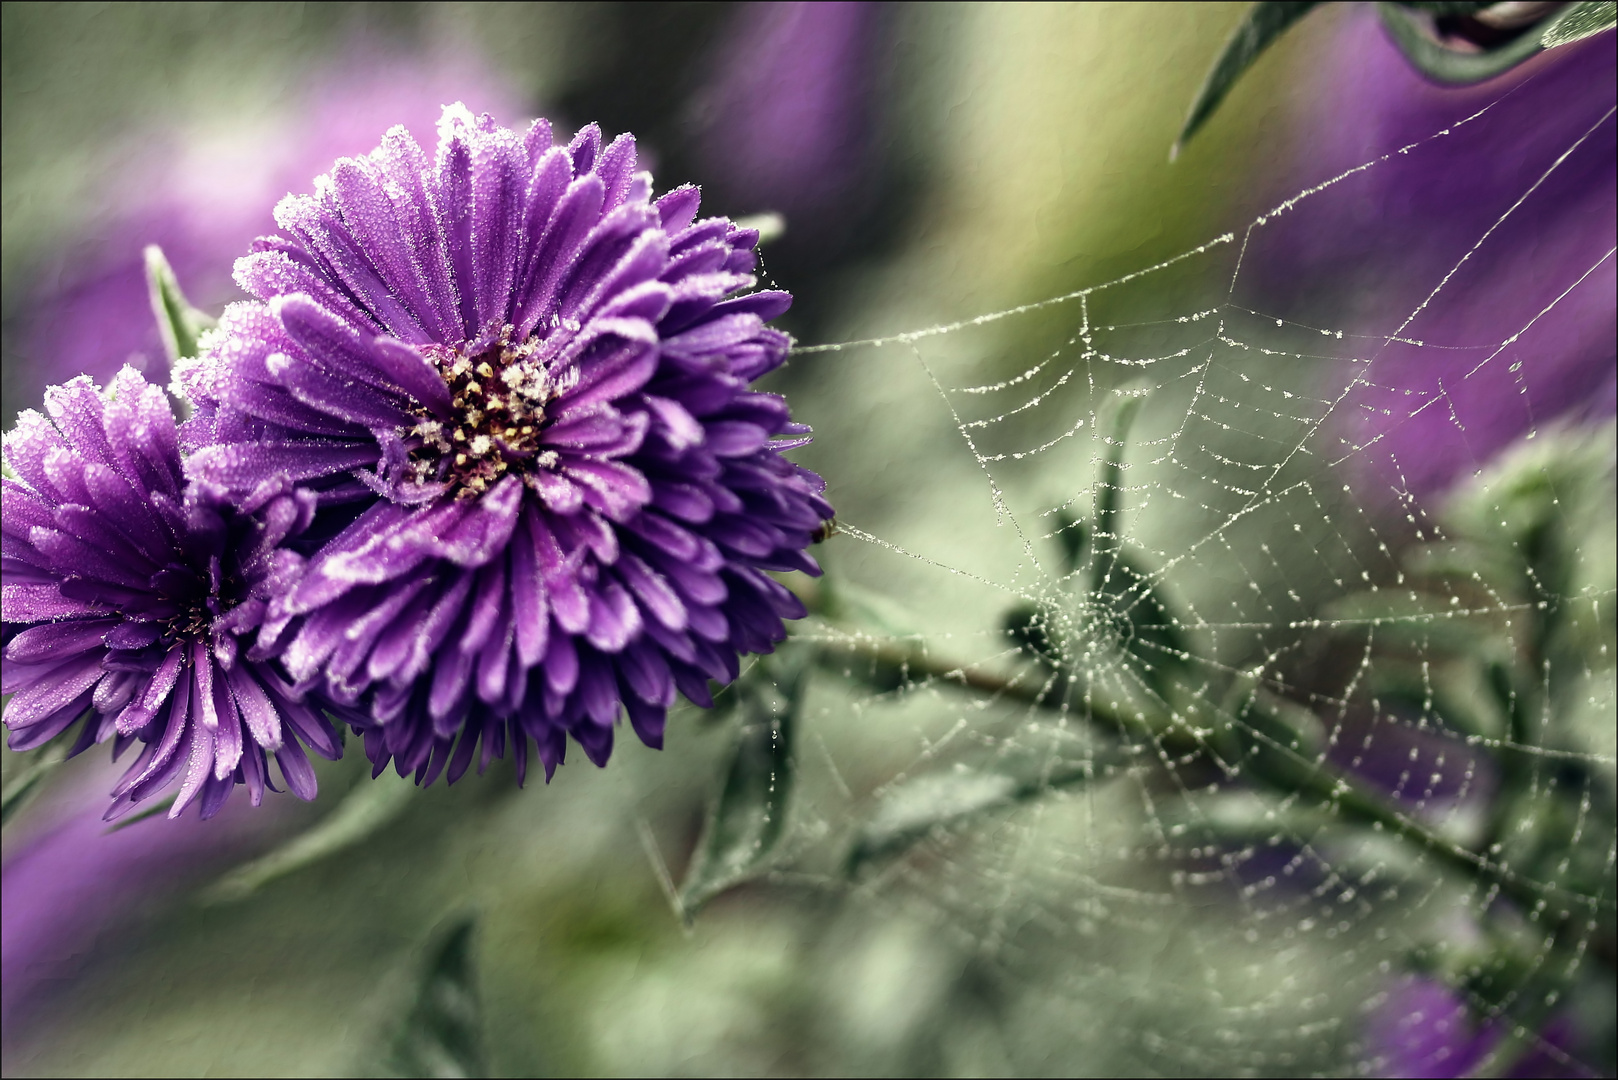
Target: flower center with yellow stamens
(498, 397)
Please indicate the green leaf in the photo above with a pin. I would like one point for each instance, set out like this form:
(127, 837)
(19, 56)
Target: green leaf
(850, 602)
(1580, 21)
(1072, 534)
(1409, 30)
(20, 788)
(1281, 742)
(771, 226)
(749, 817)
(1121, 595)
(932, 803)
(1149, 632)
(1240, 817)
(1409, 23)
(881, 670)
(1029, 625)
(443, 1035)
(159, 807)
(1146, 628)
(863, 615)
(1258, 30)
(1111, 486)
(1447, 7)
(915, 810)
(364, 810)
(181, 324)
(1408, 619)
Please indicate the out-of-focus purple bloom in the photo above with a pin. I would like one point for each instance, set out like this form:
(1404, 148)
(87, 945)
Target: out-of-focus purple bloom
(1423, 1028)
(125, 592)
(530, 379)
(788, 123)
(71, 880)
(203, 197)
(1524, 331)
(1414, 763)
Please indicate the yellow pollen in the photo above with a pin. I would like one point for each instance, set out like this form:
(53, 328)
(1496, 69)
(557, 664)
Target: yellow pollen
(499, 397)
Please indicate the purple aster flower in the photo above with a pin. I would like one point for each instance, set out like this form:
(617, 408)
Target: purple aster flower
(125, 593)
(529, 380)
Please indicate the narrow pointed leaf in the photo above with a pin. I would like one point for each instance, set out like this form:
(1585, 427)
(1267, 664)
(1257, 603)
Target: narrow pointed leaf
(1242, 818)
(1151, 632)
(1105, 535)
(180, 324)
(1409, 32)
(749, 817)
(936, 802)
(1071, 534)
(28, 781)
(849, 602)
(1423, 622)
(771, 226)
(161, 806)
(928, 804)
(1263, 24)
(443, 1034)
(1579, 22)
(364, 810)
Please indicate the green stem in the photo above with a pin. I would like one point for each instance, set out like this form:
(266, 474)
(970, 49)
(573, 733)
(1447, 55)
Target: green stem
(1276, 766)
(1046, 691)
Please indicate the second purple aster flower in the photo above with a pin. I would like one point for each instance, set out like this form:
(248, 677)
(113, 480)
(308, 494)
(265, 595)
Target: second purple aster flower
(524, 383)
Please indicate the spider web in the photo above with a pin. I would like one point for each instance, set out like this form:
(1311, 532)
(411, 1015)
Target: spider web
(1198, 515)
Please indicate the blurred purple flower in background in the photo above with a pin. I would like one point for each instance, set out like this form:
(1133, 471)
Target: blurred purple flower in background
(71, 881)
(1424, 1029)
(1364, 255)
(203, 197)
(788, 125)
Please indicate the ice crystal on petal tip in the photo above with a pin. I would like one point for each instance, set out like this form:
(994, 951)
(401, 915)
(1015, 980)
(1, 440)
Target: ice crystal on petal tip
(526, 382)
(128, 597)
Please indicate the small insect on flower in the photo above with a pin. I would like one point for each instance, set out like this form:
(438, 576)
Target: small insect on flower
(129, 596)
(525, 382)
